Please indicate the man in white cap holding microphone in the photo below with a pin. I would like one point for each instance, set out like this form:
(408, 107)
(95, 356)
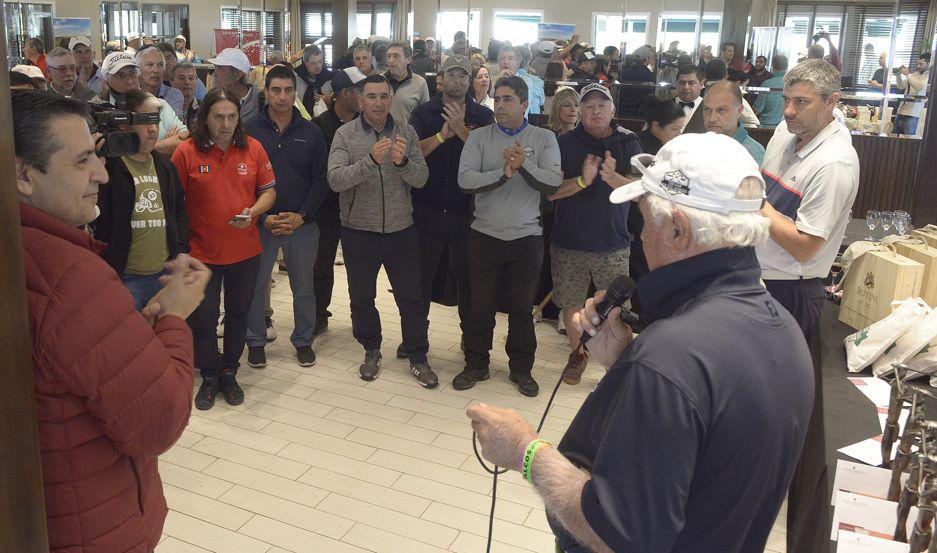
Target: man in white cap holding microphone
(653, 460)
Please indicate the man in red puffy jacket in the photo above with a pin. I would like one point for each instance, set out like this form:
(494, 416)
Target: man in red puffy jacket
(113, 386)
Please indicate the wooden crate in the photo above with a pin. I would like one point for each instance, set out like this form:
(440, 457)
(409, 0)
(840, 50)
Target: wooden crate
(876, 279)
(927, 256)
(927, 236)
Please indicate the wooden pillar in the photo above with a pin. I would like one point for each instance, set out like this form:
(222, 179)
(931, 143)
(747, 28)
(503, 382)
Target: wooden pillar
(344, 13)
(924, 205)
(734, 25)
(22, 508)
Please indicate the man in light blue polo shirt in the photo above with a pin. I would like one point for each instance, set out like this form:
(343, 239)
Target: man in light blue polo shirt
(510, 61)
(722, 109)
(769, 106)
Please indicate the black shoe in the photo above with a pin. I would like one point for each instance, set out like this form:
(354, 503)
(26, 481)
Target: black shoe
(424, 374)
(322, 324)
(271, 332)
(256, 357)
(402, 353)
(525, 384)
(205, 398)
(228, 384)
(468, 377)
(371, 366)
(305, 356)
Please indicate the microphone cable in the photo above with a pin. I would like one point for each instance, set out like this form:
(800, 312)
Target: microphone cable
(617, 294)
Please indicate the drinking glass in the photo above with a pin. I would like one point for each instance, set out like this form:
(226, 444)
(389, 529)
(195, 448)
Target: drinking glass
(902, 222)
(887, 219)
(872, 219)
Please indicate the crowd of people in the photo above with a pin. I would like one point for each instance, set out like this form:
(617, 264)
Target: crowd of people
(366, 155)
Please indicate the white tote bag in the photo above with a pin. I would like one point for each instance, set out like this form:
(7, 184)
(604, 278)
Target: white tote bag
(867, 345)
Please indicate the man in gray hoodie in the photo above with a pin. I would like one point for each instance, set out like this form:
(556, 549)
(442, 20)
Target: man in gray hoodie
(373, 163)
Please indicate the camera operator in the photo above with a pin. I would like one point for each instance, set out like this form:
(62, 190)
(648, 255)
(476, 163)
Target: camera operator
(913, 84)
(816, 51)
(143, 219)
(652, 462)
(121, 75)
(113, 386)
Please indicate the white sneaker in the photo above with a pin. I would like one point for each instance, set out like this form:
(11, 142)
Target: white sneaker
(271, 331)
(219, 330)
(561, 324)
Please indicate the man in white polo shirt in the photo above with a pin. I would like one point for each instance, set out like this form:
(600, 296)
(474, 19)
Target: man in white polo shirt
(811, 173)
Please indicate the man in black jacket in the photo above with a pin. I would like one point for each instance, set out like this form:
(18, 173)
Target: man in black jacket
(345, 106)
(311, 76)
(441, 211)
(297, 152)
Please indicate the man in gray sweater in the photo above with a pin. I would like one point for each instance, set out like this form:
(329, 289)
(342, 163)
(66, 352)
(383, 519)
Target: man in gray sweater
(410, 89)
(373, 163)
(509, 166)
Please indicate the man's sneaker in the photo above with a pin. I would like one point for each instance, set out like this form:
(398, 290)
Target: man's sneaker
(468, 377)
(219, 330)
(305, 356)
(228, 384)
(402, 353)
(371, 366)
(561, 323)
(271, 332)
(322, 324)
(424, 374)
(575, 366)
(205, 398)
(256, 357)
(525, 384)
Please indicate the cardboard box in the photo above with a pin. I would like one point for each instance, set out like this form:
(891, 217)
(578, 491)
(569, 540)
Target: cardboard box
(876, 279)
(927, 256)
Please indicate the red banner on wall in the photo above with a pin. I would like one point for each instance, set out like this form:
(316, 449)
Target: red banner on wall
(250, 43)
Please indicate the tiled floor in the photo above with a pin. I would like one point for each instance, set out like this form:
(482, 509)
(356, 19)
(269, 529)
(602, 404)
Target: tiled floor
(318, 461)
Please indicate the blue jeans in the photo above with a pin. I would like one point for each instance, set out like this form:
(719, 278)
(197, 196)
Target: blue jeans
(905, 125)
(143, 287)
(299, 251)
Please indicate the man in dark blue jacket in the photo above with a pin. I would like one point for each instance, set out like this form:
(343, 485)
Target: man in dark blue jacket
(297, 152)
(442, 213)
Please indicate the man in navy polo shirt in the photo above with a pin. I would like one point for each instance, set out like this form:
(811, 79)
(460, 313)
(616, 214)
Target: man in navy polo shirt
(691, 439)
(298, 155)
(590, 235)
(441, 211)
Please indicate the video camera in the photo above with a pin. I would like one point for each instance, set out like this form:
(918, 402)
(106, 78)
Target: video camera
(107, 120)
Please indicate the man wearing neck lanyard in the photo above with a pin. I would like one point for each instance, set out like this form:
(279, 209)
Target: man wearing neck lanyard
(509, 167)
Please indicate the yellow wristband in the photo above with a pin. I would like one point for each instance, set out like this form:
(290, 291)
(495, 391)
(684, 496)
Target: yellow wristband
(440, 138)
(580, 183)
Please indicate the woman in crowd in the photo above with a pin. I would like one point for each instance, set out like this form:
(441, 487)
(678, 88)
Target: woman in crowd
(228, 182)
(564, 111)
(555, 71)
(664, 123)
(477, 60)
(481, 87)
(143, 219)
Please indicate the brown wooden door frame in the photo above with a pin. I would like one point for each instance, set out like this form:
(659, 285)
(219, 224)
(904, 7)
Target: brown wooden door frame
(22, 507)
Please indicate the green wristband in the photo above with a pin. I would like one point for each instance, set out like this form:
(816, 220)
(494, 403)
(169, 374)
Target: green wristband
(528, 462)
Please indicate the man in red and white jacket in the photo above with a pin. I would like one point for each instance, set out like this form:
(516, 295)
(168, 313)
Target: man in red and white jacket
(113, 386)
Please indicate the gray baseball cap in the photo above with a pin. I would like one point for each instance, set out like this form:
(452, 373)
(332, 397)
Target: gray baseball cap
(456, 61)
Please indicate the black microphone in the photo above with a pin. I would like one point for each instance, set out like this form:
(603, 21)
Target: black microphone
(617, 294)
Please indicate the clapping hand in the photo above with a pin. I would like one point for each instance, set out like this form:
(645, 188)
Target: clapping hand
(590, 168)
(454, 114)
(380, 149)
(399, 151)
(513, 158)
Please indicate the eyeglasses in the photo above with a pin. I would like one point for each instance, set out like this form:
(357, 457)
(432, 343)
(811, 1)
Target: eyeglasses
(64, 68)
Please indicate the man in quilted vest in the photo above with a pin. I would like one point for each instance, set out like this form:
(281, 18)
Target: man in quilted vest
(113, 386)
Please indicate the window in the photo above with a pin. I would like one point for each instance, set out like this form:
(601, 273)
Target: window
(864, 31)
(23, 20)
(375, 19)
(681, 27)
(317, 24)
(610, 29)
(520, 27)
(449, 22)
(160, 21)
(270, 27)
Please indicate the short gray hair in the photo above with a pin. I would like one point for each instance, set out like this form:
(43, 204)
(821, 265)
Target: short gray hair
(311, 50)
(819, 73)
(711, 230)
(58, 52)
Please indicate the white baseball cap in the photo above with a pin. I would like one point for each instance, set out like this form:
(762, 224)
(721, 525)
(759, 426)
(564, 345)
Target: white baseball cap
(30, 71)
(232, 57)
(595, 87)
(696, 170)
(115, 61)
(76, 40)
(429, 39)
(180, 37)
(546, 47)
(133, 36)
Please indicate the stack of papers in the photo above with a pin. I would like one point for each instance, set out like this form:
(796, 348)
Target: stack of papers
(867, 515)
(850, 542)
